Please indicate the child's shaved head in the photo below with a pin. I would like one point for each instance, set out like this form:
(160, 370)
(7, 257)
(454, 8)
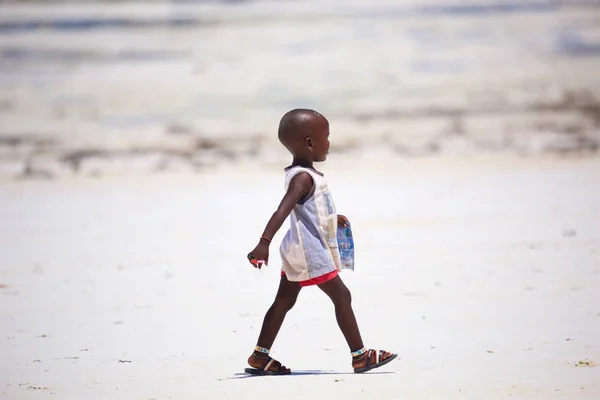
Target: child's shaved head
(305, 134)
(296, 125)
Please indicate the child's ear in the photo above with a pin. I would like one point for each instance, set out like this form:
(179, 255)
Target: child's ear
(308, 141)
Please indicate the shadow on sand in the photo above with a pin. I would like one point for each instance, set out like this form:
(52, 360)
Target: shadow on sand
(309, 372)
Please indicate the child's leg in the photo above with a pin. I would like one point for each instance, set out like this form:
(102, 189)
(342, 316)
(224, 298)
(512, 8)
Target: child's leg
(284, 301)
(342, 300)
(362, 359)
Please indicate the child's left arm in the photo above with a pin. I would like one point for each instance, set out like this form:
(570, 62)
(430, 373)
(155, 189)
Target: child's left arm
(300, 186)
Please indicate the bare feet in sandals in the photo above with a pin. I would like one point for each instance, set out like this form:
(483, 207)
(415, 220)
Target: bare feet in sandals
(371, 359)
(263, 364)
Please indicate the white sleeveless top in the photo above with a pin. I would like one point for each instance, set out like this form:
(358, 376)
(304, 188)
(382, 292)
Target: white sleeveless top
(310, 247)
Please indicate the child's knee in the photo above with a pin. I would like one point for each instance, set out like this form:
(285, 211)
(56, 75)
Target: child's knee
(286, 302)
(342, 296)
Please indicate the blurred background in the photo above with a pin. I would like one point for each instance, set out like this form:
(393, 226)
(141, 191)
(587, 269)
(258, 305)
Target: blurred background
(90, 88)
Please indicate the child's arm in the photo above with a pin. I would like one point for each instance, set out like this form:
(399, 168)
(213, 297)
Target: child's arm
(300, 186)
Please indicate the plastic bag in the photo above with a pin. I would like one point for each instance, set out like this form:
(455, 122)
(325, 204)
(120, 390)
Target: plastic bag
(346, 246)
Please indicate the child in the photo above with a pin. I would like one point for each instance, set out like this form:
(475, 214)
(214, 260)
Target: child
(309, 249)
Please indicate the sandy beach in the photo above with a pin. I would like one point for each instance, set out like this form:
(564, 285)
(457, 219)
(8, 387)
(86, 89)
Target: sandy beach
(482, 274)
(139, 163)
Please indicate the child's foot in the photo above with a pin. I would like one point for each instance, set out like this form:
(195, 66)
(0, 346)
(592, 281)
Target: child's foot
(371, 359)
(265, 365)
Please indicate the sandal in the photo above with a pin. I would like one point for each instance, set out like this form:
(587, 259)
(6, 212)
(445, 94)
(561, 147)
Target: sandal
(374, 360)
(269, 367)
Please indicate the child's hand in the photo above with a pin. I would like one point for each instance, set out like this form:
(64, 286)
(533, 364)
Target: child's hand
(342, 220)
(260, 255)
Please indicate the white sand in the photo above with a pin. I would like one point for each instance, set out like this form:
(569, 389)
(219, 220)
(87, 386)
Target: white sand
(482, 274)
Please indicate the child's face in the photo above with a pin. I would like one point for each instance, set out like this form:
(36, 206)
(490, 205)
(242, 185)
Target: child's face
(321, 141)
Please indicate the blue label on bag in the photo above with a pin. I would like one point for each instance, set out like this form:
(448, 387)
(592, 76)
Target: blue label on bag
(346, 246)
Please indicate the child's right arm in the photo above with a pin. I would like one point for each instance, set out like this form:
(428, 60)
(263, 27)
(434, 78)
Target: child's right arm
(299, 187)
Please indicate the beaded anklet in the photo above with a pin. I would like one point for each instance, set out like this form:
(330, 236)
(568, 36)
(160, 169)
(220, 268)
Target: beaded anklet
(359, 352)
(261, 350)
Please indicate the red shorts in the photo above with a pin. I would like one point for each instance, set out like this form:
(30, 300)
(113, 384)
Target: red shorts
(318, 280)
